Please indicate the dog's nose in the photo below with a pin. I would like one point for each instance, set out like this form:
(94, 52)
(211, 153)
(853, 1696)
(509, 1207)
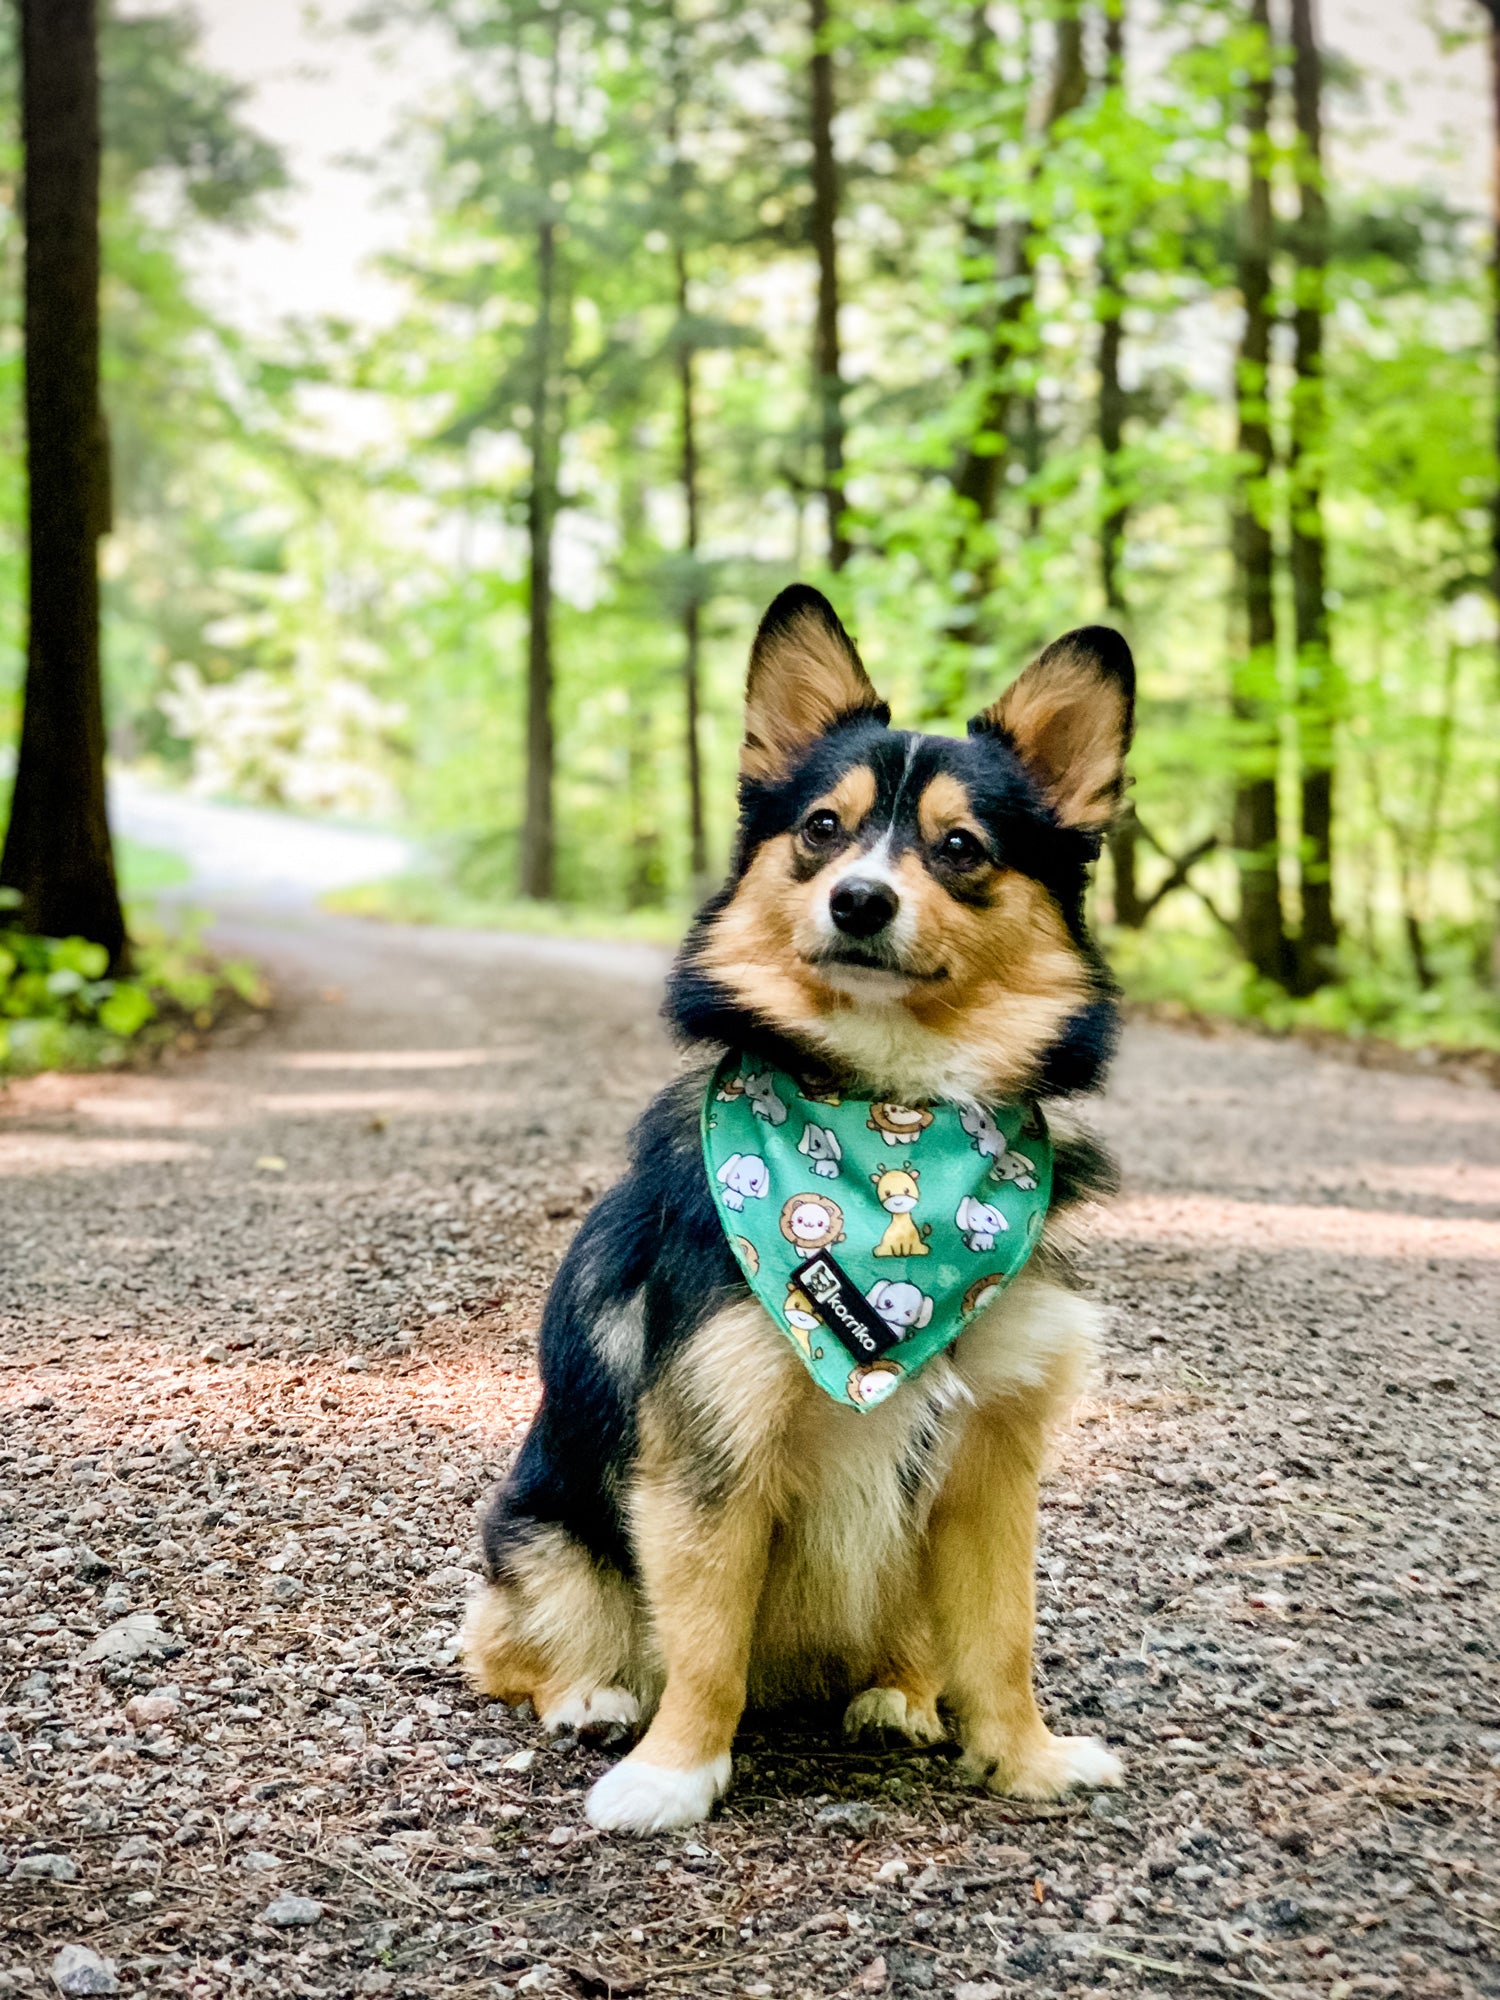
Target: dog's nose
(862, 909)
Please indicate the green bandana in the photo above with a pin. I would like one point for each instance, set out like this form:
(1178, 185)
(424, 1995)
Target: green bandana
(871, 1233)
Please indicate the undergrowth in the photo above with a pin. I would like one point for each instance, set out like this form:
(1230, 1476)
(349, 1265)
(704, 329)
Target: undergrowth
(60, 1009)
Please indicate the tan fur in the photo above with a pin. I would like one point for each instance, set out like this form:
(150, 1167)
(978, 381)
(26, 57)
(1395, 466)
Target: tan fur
(1013, 979)
(1069, 722)
(852, 798)
(943, 806)
(801, 678)
(782, 1555)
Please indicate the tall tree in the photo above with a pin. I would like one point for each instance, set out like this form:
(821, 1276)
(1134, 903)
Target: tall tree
(1124, 840)
(1253, 694)
(57, 854)
(828, 366)
(978, 474)
(538, 838)
(1316, 696)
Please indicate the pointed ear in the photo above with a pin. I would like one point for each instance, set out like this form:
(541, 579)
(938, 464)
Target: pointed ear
(1069, 717)
(804, 675)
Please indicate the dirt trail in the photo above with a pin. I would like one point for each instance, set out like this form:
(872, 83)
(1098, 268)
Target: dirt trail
(266, 1321)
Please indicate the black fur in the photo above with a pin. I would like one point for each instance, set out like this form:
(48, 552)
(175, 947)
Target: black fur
(657, 1234)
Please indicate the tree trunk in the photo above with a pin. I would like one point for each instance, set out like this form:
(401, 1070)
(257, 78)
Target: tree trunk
(1256, 834)
(1492, 8)
(1316, 685)
(57, 853)
(692, 609)
(828, 360)
(977, 478)
(1124, 839)
(537, 839)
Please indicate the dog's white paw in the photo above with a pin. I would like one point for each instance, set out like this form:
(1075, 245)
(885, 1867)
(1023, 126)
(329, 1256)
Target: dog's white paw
(1047, 1770)
(636, 1797)
(882, 1711)
(606, 1711)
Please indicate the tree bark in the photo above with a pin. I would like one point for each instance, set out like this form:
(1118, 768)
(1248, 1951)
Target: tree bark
(692, 609)
(538, 876)
(1256, 833)
(1492, 8)
(977, 477)
(1317, 944)
(58, 855)
(828, 358)
(1131, 908)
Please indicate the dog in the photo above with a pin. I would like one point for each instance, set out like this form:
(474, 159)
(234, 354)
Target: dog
(691, 1521)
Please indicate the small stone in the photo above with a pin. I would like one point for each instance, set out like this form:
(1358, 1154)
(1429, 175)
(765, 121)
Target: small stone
(291, 1912)
(1101, 1910)
(874, 1977)
(979, 1989)
(45, 1868)
(522, 1760)
(90, 1568)
(76, 1969)
(259, 1862)
(154, 1707)
(132, 1637)
(282, 1590)
(892, 1871)
(850, 1816)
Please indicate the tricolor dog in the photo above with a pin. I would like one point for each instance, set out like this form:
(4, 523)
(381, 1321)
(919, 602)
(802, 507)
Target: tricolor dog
(800, 1365)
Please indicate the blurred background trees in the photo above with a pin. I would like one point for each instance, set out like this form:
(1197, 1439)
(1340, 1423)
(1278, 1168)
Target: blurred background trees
(992, 318)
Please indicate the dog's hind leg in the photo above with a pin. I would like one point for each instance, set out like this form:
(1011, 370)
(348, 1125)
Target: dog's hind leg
(562, 1629)
(902, 1698)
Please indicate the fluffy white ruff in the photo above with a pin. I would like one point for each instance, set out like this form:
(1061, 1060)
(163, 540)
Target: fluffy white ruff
(636, 1797)
(887, 1712)
(590, 1709)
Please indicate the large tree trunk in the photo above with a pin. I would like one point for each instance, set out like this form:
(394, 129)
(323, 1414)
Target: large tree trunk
(692, 609)
(1254, 694)
(57, 848)
(537, 838)
(1124, 839)
(828, 365)
(1316, 683)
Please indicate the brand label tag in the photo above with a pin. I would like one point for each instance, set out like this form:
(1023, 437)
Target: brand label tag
(843, 1309)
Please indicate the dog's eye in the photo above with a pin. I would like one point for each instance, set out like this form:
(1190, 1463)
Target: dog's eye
(821, 827)
(960, 849)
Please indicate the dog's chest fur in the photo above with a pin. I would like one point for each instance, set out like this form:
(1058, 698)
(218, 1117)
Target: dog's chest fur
(852, 1491)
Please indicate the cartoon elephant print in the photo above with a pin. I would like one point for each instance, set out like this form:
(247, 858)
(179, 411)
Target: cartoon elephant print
(742, 1175)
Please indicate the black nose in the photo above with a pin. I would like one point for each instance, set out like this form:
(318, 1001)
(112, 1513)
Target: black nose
(861, 909)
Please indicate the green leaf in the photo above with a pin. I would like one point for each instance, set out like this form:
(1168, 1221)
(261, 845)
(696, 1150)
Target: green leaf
(127, 1010)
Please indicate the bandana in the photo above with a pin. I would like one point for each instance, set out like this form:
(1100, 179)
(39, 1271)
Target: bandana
(871, 1233)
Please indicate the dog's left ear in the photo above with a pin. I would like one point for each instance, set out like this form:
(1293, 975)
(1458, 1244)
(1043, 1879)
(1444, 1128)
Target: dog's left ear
(1069, 717)
(805, 675)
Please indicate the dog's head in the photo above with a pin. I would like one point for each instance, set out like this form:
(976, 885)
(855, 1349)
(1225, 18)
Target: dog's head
(909, 908)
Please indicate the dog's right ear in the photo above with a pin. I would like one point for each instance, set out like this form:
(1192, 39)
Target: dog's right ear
(805, 675)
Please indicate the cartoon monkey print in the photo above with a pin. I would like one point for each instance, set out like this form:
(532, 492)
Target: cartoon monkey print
(897, 1192)
(811, 1222)
(898, 1124)
(873, 1381)
(820, 1144)
(743, 1174)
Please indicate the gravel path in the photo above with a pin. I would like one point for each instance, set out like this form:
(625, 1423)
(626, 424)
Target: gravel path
(266, 1322)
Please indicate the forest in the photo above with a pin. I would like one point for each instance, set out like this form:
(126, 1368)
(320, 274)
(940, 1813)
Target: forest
(989, 319)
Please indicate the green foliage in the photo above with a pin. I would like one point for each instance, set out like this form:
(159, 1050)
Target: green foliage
(59, 1010)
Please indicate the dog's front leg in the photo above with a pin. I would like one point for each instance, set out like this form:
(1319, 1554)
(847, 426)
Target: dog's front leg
(702, 1565)
(981, 1555)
